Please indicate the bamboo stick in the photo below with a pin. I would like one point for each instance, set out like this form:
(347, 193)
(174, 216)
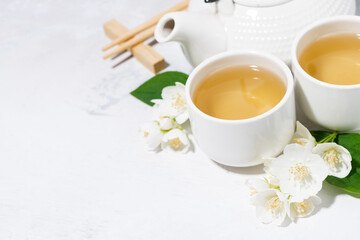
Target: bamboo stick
(180, 6)
(142, 52)
(135, 40)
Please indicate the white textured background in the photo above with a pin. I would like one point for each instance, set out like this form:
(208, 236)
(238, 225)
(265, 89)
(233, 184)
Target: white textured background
(72, 165)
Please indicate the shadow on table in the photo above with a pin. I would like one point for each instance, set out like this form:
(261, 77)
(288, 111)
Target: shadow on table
(328, 196)
(259, 169)
(122, 60)
(125, 56)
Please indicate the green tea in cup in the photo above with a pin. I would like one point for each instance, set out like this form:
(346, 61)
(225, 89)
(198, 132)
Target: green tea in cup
(239, 92)
(333, 58)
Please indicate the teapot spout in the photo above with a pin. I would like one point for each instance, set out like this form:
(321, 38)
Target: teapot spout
(201, 35)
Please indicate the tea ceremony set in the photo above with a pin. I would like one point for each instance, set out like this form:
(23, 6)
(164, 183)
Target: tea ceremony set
(179, 119)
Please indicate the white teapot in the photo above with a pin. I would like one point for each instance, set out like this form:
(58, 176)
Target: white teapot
(210, 27)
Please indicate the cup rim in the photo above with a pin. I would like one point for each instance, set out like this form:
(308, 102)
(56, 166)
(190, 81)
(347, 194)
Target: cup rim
(295, 62)
(268, 56)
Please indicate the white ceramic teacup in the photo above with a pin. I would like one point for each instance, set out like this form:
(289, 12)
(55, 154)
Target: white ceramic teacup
(331, 106)
(245, 142)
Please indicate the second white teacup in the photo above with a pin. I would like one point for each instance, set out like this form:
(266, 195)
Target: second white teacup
(331, 106)
(245, 142)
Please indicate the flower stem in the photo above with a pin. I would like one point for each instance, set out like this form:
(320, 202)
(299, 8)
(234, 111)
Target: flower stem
(329, 138)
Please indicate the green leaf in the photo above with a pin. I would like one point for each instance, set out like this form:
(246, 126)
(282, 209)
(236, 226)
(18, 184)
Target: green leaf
(350, 141)
(351, 183)
(152, 88)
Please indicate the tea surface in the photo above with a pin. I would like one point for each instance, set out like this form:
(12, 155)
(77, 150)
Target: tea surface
(239, 92)
(333, 59)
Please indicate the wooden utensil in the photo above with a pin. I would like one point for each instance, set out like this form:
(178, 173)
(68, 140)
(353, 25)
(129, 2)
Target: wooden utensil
(142, 52)
(133, 41)
(151, 22)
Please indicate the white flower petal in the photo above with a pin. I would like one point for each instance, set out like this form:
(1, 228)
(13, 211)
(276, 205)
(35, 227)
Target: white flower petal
(336, 157)
(303, 136)
(256, 185)
(182, 117)
(180, 86)
(169, 91)
(273, 181)
(176, 140)
(270, 206)
(166, 110)
(267, 163)
(183, 138)
(173, 103)
(152, 134)
(165, 123)
(299, 171)
(156, 116)
(303, 208)
(174, 133)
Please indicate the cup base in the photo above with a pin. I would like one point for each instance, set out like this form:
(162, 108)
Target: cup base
(240, 165)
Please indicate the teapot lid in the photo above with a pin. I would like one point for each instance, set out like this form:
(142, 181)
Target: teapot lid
(261, 3)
